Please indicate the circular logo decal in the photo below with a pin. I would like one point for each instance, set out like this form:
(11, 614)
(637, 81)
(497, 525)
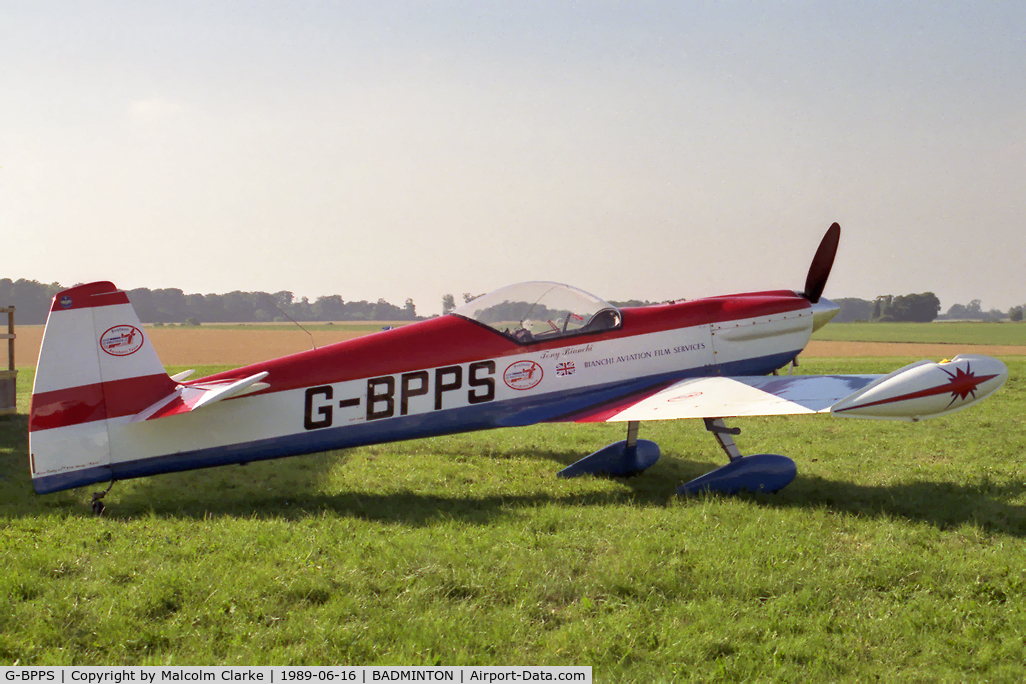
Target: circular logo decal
(523, 375)
(121, 340)
(66, 301)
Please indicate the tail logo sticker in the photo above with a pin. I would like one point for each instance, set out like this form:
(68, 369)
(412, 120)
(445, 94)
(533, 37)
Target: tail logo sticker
(121, 340)
(523, 375)
(66, 302)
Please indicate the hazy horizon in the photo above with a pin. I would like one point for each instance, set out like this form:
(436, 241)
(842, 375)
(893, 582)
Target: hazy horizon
(647, 150)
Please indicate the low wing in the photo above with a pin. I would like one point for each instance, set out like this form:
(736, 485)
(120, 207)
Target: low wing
(920, 390)
(724, 397)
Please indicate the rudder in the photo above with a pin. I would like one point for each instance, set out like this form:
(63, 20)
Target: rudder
(96, 365)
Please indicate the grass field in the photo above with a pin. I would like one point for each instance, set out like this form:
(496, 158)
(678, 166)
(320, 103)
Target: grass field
(935, 333)
(898, 553)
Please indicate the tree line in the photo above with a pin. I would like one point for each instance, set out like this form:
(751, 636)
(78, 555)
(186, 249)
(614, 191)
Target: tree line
(916, 308)
(171, 305)
(921, 308)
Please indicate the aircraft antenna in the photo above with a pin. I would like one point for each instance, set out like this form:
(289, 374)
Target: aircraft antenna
(271, 302)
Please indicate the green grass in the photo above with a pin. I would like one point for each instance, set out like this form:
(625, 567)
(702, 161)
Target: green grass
(937, 332)
(899, 553)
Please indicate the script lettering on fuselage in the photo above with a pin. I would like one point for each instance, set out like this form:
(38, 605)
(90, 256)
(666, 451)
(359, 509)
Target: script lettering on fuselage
(390, 395)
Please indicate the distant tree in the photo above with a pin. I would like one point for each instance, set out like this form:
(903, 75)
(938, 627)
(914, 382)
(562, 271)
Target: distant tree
(880, 309)
(330, 308)
(215, 308)
(197, 306)
(302, 310)
(409, 310)
(144, 304)
(383, 311)
(284, 299)
(238, 306)
(448, 303)
(31, 299)
(972, 312)
(359, 311)
(1015, 314)
(853, 309)
(957, 312)
(918, 308)
(170, 305)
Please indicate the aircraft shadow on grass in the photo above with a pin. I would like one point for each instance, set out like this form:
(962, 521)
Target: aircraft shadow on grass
(266, 490)
(294, 489)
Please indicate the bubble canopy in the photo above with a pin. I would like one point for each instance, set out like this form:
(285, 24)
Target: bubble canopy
(539, 311)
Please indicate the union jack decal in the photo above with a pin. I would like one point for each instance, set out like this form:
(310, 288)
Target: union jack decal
(565, 368)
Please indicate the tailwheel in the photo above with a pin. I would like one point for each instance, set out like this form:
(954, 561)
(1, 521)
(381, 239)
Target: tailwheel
(759, 473)
(97, 501)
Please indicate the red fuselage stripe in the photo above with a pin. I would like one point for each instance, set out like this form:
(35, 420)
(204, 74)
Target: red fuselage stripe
(98, 401)
(451, 340)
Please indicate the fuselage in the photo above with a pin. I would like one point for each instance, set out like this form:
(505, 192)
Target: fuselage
(444, 375)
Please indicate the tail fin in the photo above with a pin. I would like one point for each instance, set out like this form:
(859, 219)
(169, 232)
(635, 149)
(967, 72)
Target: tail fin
(96, 365)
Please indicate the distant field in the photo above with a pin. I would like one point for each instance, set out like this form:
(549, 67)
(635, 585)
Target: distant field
(349, 326)
(932, 333)
(245, 343)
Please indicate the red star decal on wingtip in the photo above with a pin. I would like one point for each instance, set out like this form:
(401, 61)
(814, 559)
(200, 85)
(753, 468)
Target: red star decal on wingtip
(963, 383)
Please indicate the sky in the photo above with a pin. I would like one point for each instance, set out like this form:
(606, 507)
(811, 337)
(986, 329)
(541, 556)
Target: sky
(637, 150)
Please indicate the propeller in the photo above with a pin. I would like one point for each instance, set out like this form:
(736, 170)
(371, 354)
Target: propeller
(819, 271)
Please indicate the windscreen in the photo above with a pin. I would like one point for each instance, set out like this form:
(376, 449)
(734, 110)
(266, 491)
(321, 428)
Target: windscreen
(539, 310)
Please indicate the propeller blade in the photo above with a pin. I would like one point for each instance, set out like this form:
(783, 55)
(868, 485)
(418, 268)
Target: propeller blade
(819, 271)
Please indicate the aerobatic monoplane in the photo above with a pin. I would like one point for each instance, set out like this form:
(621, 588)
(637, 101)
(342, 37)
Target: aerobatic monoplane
(104, 409)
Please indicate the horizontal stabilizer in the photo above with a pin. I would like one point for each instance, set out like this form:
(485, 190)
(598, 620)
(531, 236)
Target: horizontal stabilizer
(188, 398)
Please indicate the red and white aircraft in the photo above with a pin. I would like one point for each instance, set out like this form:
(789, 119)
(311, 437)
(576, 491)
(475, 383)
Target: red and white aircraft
(104, 409)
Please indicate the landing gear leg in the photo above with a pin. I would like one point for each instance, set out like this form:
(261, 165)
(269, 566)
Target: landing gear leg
(97, 500)
(725, 436)
(757, 473)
